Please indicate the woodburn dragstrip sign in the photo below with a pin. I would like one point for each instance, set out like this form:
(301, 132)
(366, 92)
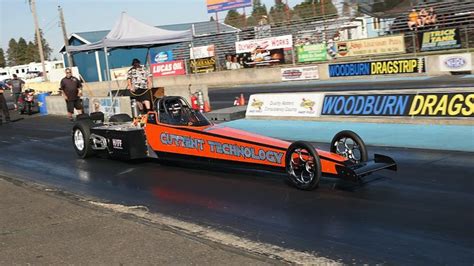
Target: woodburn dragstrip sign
(382, 67)
(423, 104)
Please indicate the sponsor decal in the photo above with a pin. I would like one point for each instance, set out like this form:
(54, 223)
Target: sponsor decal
(271, 43)
(202, 65)
(455, 62)
(424, 104)
(383, 67)
(311, 53)
(440, 40)
(117, 144)
(214, 6)
(283, 104)
(299, 73)
(202, 51)
(235, 150)
(172, 68)
(372, 46)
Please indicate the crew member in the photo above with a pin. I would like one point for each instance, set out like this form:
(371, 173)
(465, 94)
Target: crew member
(3, 104)
(139, 84)
(71, 91)
(16, 85)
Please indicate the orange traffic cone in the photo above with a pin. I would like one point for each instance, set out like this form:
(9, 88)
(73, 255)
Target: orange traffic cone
(242, 99)
(207, 107)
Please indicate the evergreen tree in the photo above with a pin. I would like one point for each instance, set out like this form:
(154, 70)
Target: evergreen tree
(2, 58)
(310, 8)
(12, 52)
(235, 19)
(46, 49)
(258, 12)
(32, 52)
(280, 12)
(21, 52)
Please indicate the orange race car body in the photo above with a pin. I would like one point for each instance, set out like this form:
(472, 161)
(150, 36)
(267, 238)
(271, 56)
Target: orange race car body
(176, 131)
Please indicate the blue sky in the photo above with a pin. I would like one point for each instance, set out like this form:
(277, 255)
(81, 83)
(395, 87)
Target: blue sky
(88, 15)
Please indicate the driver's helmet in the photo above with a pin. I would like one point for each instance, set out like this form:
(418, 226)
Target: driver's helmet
(175, 109)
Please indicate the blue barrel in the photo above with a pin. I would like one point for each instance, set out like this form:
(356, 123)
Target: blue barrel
(42, 103)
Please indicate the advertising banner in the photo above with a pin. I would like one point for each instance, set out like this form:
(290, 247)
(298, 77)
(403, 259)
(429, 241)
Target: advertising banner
(440, 40)
(160, 56)
(299, 73)
(202, 51)
(119, 73)
(285, 104)
(214, 6)
(202, 65)
(271, 43)
(455, 62)
(382, 67)
(311, 53)
(423, 104)
(372, 46)
(172, 68)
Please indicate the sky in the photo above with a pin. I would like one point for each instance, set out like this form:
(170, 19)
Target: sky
(16, 19)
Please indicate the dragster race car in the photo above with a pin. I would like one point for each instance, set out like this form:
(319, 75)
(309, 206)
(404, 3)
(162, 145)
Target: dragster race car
(175, 131)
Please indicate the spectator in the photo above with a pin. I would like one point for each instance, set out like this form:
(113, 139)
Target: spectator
(423, 18)
(432, 17)
(3, 104)
(139, 84)
(413, 19)
(70, 88)
(16, 85)
(228, 62)
(235, 63)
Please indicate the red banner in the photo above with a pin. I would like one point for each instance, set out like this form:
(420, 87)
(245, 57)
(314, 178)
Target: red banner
(171, 68)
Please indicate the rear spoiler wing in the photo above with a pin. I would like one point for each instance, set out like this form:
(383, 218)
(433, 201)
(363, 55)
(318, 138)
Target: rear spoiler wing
(355, 172)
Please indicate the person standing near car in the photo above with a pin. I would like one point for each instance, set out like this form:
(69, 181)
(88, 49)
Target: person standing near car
(16, 85)
(3, 104)
(71, 90)
(139, 84)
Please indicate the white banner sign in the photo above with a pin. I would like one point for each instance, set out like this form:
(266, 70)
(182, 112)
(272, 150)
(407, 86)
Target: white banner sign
(202, 51)
(271, 43)
(285, 104)
(455, 62)
(299, 73)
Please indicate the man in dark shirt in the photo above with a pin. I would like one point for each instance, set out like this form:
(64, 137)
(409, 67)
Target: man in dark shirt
(16, 85)
(71, 91)
(3, 104)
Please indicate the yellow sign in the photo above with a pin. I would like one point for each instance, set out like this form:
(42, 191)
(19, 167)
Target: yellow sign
(442, 105)
(381, 45)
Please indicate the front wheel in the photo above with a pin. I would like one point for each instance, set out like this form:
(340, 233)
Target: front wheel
(349, 145)
(303, 165)
(81, 139)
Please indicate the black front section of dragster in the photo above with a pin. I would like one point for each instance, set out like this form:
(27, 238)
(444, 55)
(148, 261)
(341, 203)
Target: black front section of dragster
(356, 172)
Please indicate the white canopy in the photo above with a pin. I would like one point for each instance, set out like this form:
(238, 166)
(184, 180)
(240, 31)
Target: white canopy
(130, 32)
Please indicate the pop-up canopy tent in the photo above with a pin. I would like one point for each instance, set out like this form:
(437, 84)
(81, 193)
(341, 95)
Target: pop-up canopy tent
(129, 32)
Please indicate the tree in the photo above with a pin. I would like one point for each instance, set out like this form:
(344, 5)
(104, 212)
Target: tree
(12, 52)
(317, 9)
(46, 49)
(258, 12)
(235, 19)
(280, 12)
(2, 58)
(32, 52)
(21, 52)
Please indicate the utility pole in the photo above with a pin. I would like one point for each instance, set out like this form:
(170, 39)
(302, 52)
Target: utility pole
(66, 42)
(38, 37)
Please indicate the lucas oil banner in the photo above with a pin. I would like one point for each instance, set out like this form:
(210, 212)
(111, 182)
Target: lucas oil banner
(423, 104)
(440, 40)
(382, 67)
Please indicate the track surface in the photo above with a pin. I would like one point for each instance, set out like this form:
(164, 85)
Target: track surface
(420, 215)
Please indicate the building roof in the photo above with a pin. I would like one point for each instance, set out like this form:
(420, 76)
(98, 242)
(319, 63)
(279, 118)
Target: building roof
(200, 28)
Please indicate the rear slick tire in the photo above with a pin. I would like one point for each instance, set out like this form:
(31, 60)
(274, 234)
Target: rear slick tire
(81, 139)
